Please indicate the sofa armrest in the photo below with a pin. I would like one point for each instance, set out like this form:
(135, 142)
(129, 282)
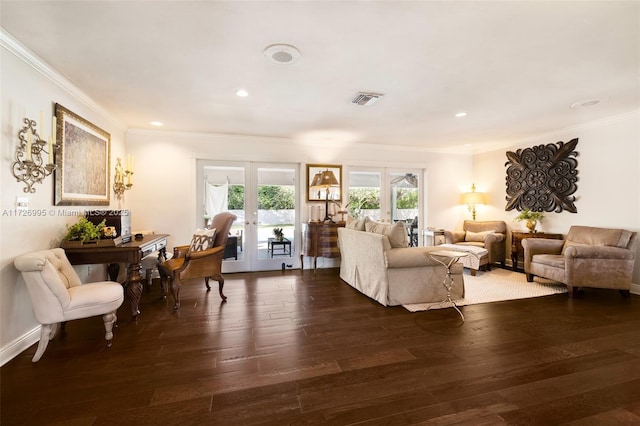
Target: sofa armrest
(533, 246)
(452, 237)
(599, 252)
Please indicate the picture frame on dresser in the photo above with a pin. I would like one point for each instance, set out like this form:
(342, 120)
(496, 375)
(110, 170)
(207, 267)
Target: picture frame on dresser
(315, 194)
(83, 160)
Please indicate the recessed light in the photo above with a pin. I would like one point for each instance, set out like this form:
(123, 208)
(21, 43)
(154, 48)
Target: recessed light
(242, 93)
(282, 54)
(157, 123)
(585, 103)
(461, 114)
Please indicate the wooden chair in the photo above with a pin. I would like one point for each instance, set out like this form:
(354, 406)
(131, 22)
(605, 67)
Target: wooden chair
(188, 263)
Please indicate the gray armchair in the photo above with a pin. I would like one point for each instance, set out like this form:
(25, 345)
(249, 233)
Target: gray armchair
(490, 235)
(588, 257)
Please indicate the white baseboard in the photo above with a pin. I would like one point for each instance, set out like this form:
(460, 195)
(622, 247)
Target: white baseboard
(23, 342)
(635, 288)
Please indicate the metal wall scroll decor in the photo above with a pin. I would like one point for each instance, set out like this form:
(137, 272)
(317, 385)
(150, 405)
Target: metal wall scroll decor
(543, 178)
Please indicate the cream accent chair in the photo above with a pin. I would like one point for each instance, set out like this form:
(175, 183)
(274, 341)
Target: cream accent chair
(588, 257)
(57, 295)
(490, 234)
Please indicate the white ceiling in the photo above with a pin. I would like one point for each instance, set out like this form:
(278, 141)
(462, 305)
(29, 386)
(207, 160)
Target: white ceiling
(515, 67)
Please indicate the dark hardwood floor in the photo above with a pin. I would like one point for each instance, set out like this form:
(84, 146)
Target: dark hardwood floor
(297, 348)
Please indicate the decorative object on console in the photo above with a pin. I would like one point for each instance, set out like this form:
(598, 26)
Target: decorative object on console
(83, 161)
(531, 217)
(471, 199)
(29, 166)
(543, 178)
(325, 181)
(84, 231)
(119, 185)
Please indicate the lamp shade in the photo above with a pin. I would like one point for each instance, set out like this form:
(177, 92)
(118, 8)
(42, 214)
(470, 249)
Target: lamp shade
(316, 181)
(327, 179)
(470, 198)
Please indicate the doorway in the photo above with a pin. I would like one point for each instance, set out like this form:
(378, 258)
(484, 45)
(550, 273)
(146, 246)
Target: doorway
(264, 198)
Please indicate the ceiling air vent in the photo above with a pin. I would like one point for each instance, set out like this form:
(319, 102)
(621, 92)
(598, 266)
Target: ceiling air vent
(366, 99)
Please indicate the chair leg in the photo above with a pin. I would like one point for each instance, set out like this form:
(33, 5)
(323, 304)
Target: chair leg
(206, 283)
(109, 320)
(574, 292)
(220, 285)
(175, 291)
(625, 293)
(529, 278)
(47, 331)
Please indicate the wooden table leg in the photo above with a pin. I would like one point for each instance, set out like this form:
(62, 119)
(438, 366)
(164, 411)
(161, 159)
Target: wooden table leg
(134, 288)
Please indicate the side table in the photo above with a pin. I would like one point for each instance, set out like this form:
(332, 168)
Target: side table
(517, 252)
(433, 237)
(453, 257)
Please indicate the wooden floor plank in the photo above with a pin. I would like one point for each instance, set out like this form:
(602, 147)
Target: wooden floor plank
(300, 348)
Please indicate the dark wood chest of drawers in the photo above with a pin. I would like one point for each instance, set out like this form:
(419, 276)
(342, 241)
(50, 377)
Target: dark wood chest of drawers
(320, 240)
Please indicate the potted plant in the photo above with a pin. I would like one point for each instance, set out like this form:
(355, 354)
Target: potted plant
(531, 217)
(278, 234)
(83, 232)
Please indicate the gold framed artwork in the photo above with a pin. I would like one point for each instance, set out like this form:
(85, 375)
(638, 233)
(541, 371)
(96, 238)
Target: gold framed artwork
(83, 161)
(319, 193)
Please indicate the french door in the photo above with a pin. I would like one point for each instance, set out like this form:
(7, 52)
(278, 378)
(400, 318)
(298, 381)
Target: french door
(264, 197)
(387, 195)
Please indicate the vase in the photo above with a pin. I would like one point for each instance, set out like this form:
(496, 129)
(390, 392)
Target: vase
(531, 224)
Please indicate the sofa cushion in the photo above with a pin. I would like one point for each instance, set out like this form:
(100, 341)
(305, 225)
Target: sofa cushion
(477, 237)
(357, 224)
(410, 257)
(397, 233)
(596, 236)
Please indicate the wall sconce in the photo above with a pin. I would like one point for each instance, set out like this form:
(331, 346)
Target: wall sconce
(119, 186)
(325, 180)
(471, 199)
(29, 165)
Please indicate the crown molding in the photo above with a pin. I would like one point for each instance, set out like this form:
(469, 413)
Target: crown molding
(13, 46)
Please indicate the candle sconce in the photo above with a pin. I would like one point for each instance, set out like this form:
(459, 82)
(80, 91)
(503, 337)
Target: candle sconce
(29, 166)
(119, 185)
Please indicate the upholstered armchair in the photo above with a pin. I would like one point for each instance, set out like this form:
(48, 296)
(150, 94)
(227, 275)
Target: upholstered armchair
(588, 257)
(201, 259)
(57, 295)
(490, 235)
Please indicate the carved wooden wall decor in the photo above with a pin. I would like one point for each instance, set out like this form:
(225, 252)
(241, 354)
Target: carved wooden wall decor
(543, 178)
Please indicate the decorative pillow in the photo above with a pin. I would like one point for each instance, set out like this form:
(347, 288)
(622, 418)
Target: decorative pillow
(396, 233)
(202, 239)
(357, 224)
(477, 237)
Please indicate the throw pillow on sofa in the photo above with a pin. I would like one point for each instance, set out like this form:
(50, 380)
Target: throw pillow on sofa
(357, 224)
(477, 237)
(396, 233)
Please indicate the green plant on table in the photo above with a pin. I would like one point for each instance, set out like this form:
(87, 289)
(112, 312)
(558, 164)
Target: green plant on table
(84, 230)
(278, 233)
(532, 218)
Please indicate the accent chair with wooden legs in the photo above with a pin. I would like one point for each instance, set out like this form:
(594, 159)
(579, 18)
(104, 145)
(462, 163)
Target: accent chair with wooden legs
(588, 257)
(201, 259)
(57, 295)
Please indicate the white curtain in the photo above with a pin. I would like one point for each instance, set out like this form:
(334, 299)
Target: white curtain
(216, 199)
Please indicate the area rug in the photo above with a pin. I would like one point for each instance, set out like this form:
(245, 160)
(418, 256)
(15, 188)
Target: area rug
(494, 286)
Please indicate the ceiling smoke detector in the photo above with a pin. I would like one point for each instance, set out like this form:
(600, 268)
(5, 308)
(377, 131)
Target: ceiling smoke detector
(366, 99)
(282, 54)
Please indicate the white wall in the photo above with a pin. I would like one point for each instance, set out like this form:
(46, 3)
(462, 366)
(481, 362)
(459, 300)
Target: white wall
(163, 199)
(608, 178)
(29, 87)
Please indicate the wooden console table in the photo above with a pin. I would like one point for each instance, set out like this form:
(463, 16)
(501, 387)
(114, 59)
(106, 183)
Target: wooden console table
(131, 253)
(320, 240)
(517, 252)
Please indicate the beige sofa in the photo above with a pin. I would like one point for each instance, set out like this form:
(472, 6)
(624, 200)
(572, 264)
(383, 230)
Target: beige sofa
(588, 257)
(393, 275)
